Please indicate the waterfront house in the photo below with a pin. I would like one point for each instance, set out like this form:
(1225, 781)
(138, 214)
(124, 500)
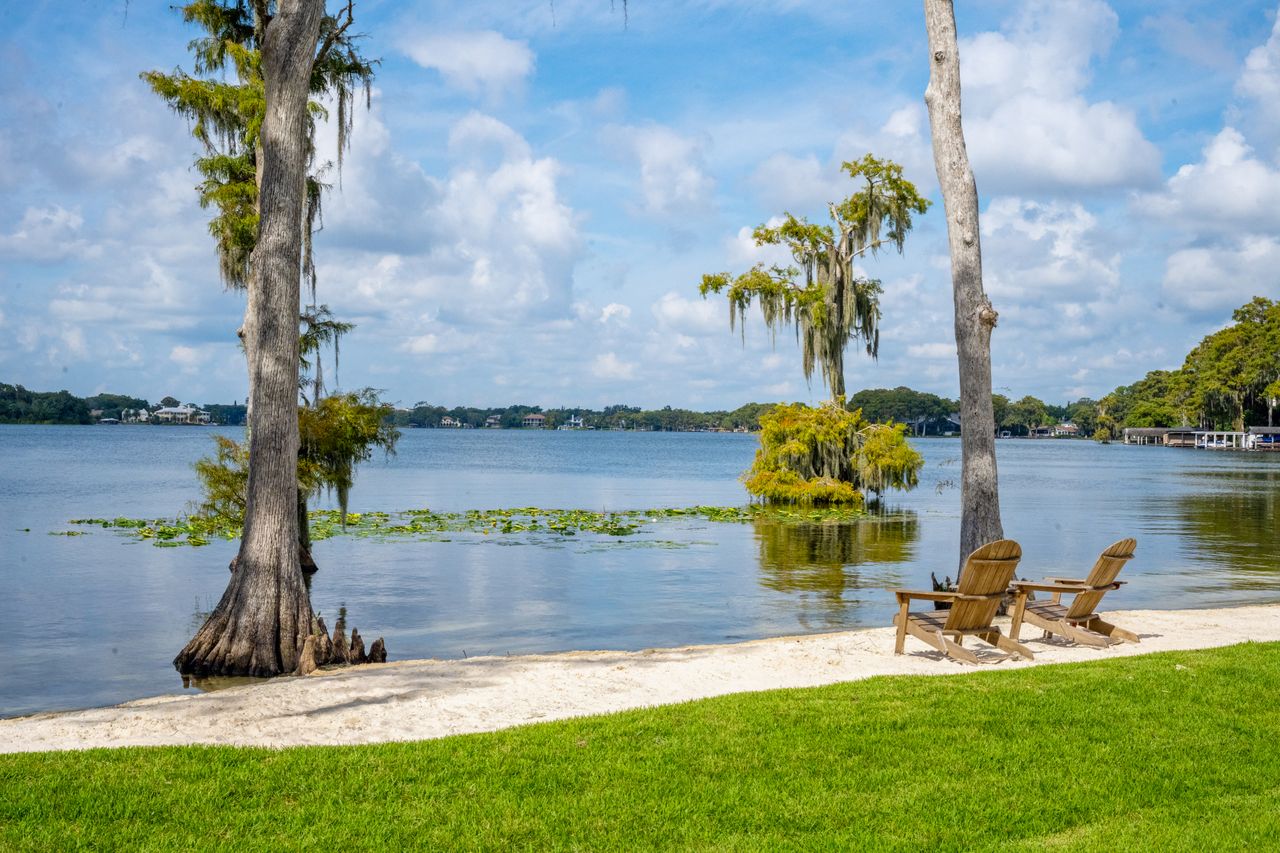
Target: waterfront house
(450, 422)
(574, 422)
(534, 421)
(493, 422)
(187, 414)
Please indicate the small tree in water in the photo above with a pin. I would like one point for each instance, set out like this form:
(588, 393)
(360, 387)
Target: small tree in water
(828, 455)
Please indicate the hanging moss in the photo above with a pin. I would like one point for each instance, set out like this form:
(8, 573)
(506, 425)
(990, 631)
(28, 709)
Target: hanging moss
(828, 455)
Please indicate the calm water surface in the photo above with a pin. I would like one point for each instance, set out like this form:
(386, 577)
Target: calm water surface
(97, 619)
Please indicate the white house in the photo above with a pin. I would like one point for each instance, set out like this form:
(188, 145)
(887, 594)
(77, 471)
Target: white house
(186, 414)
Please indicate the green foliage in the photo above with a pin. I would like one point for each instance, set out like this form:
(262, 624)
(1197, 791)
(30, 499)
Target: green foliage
(1027, 413)
(342, 431)
(822, 297)
(1230, 380)
(111, 405)
(666, 419)
(335, 435)
(828, 455)
(1084, 414)
(1176, 752)
(225, 102)
(20, 406)
(903, 405)
(224, 481)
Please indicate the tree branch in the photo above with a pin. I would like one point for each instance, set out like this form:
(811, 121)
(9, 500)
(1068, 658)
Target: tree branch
(335, 36)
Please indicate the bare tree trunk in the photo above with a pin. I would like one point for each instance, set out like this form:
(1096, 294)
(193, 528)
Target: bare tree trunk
(262, 621)
(305, 559)
(975, 318)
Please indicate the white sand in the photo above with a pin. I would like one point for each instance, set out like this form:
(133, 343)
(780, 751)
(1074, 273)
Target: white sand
(415, 700)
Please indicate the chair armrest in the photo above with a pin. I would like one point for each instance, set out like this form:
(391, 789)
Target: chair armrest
(925, 595)
(1030, 586)
(1079, 581)
(905, 595)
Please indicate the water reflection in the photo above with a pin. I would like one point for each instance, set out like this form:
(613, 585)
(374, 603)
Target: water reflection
(821, 564)
(1237, 530)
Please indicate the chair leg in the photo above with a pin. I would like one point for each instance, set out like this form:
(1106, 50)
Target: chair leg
(955, 650)
(1081, 636)
(901, 622)
(1008, 644)
(1019, 608)
(1112, 631)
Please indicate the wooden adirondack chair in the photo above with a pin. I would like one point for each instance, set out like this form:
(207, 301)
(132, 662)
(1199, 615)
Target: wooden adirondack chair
(983, 583)
(1078, 623)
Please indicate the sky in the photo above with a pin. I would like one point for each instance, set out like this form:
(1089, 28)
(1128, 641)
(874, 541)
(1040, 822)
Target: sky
(527, 208)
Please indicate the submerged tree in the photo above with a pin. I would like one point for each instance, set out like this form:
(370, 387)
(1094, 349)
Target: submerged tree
(263, 618)
(823, 296)
(828, 455)
(975, 318)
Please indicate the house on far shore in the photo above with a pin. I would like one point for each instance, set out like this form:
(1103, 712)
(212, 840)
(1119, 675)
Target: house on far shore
(448, 422)
(574, 422)
(187, 414)
(1063, 430)
(493, 422)
(534, 421)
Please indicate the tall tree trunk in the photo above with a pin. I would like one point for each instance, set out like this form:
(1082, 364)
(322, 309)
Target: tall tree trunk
(975, 318)
(263, 618)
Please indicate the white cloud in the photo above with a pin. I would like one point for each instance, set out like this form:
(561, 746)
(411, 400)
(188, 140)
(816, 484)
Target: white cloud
(421, 344)
(673, 174)
(1027, 122)
(1259, 84)
(49, 233)
(609, 366)
(742, 248)
(189, 359)
(492, 241)
(1222, 277)
(614, 311)
(483, 62)
(787, 182)
(934, 350)
(1043, 252)
(695, 317)
(1229, 190)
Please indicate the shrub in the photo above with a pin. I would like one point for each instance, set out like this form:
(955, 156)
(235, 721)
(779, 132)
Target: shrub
(828, 455)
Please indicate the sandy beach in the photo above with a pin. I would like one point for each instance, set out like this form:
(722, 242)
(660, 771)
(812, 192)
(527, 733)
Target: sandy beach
(416, 700)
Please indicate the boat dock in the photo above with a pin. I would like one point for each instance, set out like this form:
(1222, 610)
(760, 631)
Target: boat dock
(1253, 438)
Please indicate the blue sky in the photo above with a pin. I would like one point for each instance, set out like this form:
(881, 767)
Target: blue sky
(527, 209)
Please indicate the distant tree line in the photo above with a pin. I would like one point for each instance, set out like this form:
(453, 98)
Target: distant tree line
(19, 405)
(1230, 380)
(665, 419)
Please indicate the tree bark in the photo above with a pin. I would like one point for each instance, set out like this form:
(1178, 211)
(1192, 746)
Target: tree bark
(263, 619)
(974, 316)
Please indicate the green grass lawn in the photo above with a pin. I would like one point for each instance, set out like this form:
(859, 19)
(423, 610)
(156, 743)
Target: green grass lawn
(1175, 751)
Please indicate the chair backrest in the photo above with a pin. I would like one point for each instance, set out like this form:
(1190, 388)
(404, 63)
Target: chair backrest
(987, 571)
(1103, 574)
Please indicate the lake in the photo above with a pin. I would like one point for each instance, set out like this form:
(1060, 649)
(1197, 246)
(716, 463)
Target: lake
(96, 619)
